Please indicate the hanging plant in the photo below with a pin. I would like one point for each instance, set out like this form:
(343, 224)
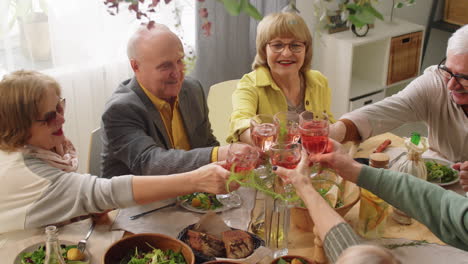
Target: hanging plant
(145, 10)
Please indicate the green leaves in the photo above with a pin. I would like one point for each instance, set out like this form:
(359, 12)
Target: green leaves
(235, 7)
(403, 3)
(362, 14)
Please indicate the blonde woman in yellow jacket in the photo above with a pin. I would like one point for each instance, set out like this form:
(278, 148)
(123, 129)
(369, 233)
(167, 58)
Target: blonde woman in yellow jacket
(282, 79)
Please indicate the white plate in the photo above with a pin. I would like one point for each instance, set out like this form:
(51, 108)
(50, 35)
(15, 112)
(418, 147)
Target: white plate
(186, 205)
(445, 163)
(35, 246)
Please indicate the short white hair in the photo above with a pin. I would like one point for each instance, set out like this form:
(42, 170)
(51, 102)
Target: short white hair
(367, 254)
(139, 35)
(458, 42)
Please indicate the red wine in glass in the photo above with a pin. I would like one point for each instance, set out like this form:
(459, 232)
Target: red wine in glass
(286, 155)
(285, 163)
(239, 167)
(314, 136)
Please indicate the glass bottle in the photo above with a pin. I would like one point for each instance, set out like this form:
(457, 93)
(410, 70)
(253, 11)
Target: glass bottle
(373, 211)
(53, 252)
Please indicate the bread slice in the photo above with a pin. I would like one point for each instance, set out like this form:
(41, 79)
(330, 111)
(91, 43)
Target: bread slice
(206, 244)
(238, 244)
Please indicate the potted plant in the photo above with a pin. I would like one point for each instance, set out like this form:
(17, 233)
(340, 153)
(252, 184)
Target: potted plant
(32, 19)
(359, 14)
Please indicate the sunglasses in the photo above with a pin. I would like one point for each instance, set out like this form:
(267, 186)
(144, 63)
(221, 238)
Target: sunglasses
(51, 117)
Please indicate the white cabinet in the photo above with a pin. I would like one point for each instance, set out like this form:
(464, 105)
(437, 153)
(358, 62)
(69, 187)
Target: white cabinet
(358, 68)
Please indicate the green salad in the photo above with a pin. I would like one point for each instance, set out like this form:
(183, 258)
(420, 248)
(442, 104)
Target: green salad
(38, 255)
(439, 173)
(157, 256)
(201, 200)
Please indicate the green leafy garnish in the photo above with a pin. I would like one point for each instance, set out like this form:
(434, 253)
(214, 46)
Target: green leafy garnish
(206, 201)
(265, 185)
(156, 256)
(409, 244)
(439, 173)
(38, 255)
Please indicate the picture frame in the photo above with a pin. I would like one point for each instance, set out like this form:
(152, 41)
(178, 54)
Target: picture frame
(335, 23)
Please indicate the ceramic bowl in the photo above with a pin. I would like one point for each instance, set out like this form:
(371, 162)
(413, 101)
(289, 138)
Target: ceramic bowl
(125, 247)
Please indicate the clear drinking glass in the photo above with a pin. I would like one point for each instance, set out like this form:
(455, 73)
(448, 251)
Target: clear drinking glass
(287, 123)
(263, 131)
(286, 156)
(314, 133)
(277, 212)
(242, 158)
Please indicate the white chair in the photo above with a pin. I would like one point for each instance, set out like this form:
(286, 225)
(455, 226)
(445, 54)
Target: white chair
(94, 155)
(220, 106)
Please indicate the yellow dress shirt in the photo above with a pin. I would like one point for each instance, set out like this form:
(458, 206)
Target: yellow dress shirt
(174, 124)
(257, 93)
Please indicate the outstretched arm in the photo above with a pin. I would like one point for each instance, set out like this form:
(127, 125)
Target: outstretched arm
(444, 212)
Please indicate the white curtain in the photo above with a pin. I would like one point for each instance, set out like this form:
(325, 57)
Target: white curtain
(87, 55)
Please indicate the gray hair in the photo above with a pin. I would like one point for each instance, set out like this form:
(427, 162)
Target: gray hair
(140, 34)
(458, 42)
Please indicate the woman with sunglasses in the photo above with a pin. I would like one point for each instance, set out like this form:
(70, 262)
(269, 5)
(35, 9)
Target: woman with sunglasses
(38, 164)
(281, 79)
(439, 98)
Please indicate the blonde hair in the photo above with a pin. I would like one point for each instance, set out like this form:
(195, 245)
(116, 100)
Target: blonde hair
(282, 25)
(367, 254)
(21, 93)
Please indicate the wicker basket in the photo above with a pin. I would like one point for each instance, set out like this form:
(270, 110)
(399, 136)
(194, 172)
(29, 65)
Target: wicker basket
(404, 59)
(456, 12)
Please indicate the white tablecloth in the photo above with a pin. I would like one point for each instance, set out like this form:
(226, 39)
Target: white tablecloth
(170, 221)
(427, 253)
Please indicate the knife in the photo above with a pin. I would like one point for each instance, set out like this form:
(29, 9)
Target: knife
(151, 211)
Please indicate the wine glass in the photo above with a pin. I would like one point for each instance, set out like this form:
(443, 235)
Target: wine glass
(287, 123)
(287, 156)
(241, 158)
(277, 211)
(314, 133)
(263, 131)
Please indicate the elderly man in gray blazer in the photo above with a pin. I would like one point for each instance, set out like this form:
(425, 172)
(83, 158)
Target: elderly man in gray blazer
(157, 122)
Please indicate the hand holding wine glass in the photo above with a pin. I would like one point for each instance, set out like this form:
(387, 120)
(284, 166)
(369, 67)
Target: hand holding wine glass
(241, 158)
(263, 131)
(314, 132)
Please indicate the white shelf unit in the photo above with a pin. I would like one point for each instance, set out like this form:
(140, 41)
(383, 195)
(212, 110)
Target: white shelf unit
(357, 67)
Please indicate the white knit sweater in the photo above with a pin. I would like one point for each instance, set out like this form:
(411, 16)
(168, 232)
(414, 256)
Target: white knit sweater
(425, 99)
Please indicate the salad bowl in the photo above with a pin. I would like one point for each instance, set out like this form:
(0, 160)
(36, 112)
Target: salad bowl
(124, 250)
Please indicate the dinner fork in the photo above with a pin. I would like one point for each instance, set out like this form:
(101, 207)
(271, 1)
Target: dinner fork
(82, 243)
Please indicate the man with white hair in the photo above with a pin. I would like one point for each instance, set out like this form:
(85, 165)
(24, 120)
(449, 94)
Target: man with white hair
(157, 122)
(439, 98)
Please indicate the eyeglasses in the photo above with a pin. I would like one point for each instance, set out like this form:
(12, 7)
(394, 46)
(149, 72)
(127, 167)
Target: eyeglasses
(295, 47)
(51, 117)
(460, 78)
